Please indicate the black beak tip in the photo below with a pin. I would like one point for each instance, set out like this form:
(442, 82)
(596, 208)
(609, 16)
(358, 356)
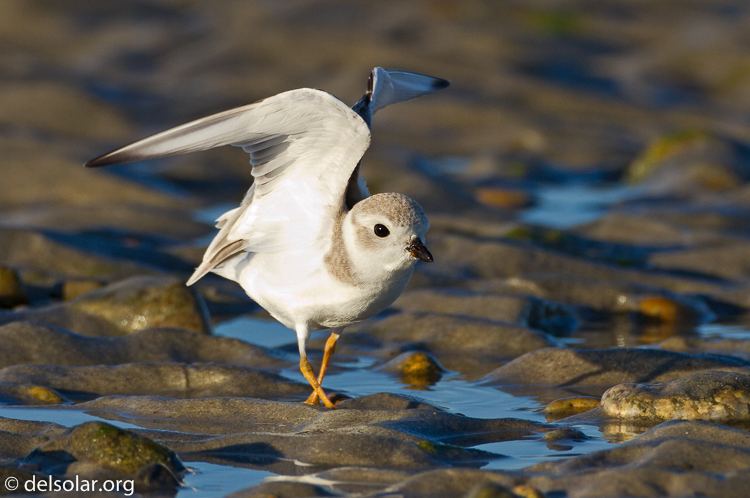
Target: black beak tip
(419, 251)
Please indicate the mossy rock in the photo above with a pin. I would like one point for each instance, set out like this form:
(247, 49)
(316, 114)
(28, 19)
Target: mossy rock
(104, 445)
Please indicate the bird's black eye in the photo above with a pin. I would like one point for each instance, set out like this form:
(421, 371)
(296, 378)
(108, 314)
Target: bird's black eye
(382, 230)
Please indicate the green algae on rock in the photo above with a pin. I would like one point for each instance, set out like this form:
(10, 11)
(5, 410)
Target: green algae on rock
(143, 302)
(712, 396)
(103, 445)
(28, 394)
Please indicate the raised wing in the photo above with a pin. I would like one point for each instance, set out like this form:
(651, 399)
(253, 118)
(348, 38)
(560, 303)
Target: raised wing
(392, 86)
(386, 87)
(304, 146)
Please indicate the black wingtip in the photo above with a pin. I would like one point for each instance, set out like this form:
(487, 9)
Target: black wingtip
(97, 162)
(439, 83)
(110, 159)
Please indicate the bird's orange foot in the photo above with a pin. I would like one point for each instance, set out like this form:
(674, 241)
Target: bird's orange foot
(307, 371)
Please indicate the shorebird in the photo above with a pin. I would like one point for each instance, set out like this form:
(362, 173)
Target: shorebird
(308, 242)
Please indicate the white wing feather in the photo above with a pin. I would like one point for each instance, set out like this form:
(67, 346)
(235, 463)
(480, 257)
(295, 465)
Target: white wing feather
(304, 145)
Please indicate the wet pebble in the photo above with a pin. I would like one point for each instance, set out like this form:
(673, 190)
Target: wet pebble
(714, 396)
(565, 407)
(415, 368)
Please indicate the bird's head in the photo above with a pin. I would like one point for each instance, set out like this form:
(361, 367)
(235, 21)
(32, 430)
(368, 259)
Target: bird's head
(385, 233)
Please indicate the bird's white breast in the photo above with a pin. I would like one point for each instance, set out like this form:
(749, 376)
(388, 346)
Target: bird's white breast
(298, 290)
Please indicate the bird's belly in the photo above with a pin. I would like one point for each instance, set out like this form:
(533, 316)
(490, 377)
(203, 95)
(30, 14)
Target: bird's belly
(311, 296)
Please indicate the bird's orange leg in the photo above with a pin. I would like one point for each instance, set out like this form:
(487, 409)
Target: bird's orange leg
(327, 353)
(307, 371)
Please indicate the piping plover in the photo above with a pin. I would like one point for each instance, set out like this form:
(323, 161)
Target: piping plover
(308, 243)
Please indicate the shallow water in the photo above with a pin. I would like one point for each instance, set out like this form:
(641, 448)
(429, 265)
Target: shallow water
(451, 393)
(568, 205)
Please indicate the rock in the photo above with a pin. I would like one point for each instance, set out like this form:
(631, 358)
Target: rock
(362, 480)
(31, 343)
(103, 445)
(715, 345)
(566, 407)
(72, 289)
(713, 396)
(30, 250)
(124, 307)
(415, 368)
(728, 260)
(564, 435)
(607, 296)
(145, 302)
(686, 161)
(155, 475)
(641, 229)
(386, 401)
(505, 259)
(543, 315)
(130, 221)
(524, 491)
(234, 430)
(602, 369)
(28, 394)
(467, 345)
(281, 489)
(452, 482)
(9, 476)
(489, 490)
(673, 459)
(197, 380)
(12, 292)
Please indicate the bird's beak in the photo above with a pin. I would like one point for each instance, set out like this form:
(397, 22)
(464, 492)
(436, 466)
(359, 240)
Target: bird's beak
(419, 251)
